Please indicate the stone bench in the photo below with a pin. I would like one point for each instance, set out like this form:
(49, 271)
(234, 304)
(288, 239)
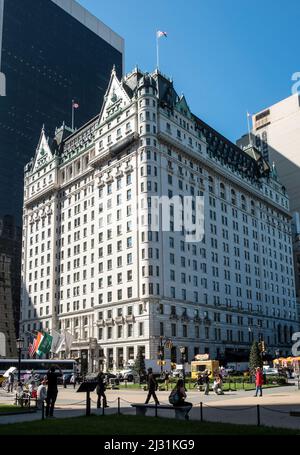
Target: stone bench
(181, 412)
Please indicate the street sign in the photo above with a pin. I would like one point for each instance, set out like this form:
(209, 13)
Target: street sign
(202, 357)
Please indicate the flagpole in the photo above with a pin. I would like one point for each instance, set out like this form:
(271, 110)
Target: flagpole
(157, 52)
(72, 115)
(249, 134)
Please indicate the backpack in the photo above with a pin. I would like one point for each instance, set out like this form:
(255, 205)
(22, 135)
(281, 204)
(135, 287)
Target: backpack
(174, 397)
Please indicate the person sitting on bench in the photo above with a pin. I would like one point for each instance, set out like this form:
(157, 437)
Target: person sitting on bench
(178, 396)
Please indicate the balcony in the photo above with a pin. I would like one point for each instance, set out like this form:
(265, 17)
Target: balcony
(119, 320)
(100, 183)
(206, 321)
(113, 149)
(109, 179)
(128, 169)
(174, 316)
(101, 323)
(42, 193)
(109, 321)
(129, 318)
(119, 174)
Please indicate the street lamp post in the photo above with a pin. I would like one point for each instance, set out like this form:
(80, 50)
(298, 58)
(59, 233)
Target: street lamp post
(160, 353)
(182, 351)
(20, 346)
(93, 346)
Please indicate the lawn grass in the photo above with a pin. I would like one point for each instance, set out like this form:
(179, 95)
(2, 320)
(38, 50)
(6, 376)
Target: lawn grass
(8, 408)
(190, 386)
(132, 425)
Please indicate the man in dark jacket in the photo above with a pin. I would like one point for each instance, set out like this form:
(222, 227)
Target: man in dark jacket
(100, 390)
(206, 381)
(152, 387)
(52, 389)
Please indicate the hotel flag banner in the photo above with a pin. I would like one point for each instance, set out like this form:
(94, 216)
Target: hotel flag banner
(68, 342)
(57, 341)
(45, 344)
(37, 342)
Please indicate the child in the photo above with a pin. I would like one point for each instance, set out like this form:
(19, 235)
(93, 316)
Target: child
(41, 394)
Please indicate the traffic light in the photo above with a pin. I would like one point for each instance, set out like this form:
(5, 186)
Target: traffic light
(262, 346)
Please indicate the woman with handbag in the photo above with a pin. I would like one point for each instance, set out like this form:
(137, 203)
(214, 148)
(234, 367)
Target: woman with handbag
(178, 396)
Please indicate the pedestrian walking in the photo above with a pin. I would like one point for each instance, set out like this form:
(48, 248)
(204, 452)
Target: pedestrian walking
(100, 390)
(178, 396)
(206, 382)
(65, 381)
(152, 387)
(167, 379)
(258, 382)
(52, 389)
(41, 394)
(73, 380)
(11, 381)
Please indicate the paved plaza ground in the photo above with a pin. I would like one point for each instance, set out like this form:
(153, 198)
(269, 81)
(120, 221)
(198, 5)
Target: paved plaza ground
(233, 407)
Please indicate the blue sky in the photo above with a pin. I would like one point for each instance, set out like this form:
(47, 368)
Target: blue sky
(226, 56)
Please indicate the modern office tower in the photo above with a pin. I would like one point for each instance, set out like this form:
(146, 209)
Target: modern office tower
(95, 264)
(276, 133)
(51, 52)
(10, 245)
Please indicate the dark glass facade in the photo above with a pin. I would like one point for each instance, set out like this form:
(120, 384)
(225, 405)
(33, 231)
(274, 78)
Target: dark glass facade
(48, 58)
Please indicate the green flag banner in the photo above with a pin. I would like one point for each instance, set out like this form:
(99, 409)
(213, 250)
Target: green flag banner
(45, 344)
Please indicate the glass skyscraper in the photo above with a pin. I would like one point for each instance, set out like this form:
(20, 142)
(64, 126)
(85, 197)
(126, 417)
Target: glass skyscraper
(53, 51)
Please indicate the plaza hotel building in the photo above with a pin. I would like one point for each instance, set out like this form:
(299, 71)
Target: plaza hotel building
(92, 265)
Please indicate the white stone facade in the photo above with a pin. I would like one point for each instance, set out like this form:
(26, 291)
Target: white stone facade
(91, 264)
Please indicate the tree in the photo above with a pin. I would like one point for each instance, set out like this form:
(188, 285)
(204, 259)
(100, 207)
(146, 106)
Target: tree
(139, 364)
(255, 359)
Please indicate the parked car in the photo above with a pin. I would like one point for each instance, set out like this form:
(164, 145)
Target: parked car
(177, 373)
(129, 375)
(109, 376)
(271, 371)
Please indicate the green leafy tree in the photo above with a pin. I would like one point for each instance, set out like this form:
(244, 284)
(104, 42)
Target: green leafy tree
(139, 364)
(255, 359)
